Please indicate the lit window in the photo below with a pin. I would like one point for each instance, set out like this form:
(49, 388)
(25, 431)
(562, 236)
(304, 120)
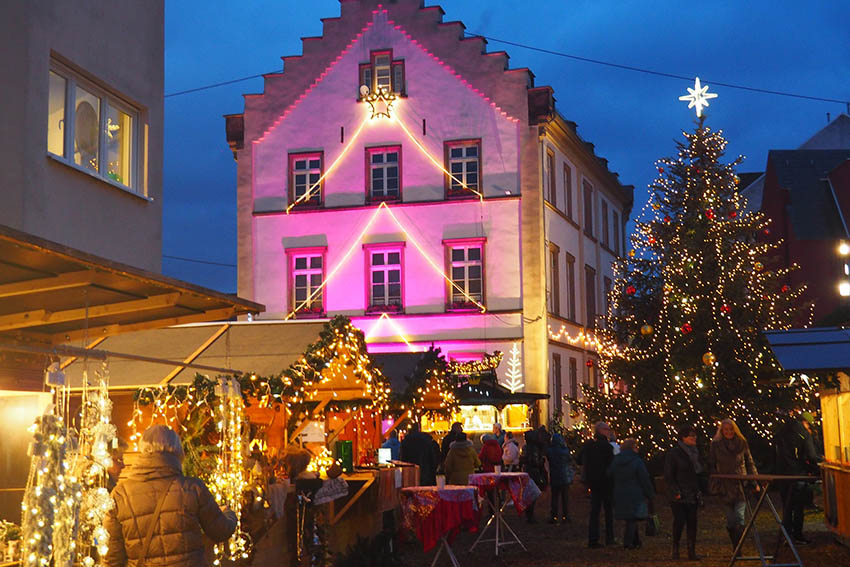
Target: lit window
(382, 72)
(384, 279)
(466, 264)
(305, 171)
(307, 274)
(464, 163)
(384, 174)
(91, 129)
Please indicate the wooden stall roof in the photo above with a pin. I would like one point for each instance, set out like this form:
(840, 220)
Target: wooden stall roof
(262, 347)
(50, 293)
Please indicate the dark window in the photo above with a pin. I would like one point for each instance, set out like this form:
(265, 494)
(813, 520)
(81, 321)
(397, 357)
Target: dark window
(571, 287)
(384, 173)
(463, 162)
(568, 190)
(554, 280)
(606, 284)
(616, 219)
(605, 241)
(590, 291)
(573, 377)
(382, 72)
(305, 174)
(557, 391)
(553, 186)
(588, 208)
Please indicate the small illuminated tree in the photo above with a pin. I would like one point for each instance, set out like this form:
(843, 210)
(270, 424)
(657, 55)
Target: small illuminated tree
(514, 373)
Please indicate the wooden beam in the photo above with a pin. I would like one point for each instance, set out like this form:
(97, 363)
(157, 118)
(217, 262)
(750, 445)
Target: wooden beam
(396, 423)
(89, 346)
(52, 283)
(43, 317)
(339, 430)
(198, 351)
(353, 499)
(109, 330)
(308, 419)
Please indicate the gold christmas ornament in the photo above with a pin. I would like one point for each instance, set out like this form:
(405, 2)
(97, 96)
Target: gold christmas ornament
(646, 330)
(709, 359)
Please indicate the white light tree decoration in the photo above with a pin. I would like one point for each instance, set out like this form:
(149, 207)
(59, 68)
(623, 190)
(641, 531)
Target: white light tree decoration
(514, 373)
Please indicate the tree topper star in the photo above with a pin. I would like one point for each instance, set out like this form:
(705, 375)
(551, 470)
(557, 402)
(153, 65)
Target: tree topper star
(698, 97)
(381, 102)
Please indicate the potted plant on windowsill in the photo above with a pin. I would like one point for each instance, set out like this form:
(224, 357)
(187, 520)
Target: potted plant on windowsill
(311, 311)
(463, 305)
(381, 308)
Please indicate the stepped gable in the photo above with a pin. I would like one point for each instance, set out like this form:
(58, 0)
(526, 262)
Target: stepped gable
(485, 73)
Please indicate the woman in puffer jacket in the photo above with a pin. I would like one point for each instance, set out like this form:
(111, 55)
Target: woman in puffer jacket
(461, 461)
(155, 482)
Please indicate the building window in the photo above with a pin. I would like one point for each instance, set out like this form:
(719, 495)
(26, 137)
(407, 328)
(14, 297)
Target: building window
(385, 267)
(383, 171)
(605, 241)
(466, 266)
(305, 175)
(557, 389)
(554, 280)
(573, 377)
(590, 291)
(553, 186)
(306, 276)
(463, 161)
(588, 208)
(568, 190)
(382, 72)
(92, 129)
(616, 223)
(571, 287)
(606, 286)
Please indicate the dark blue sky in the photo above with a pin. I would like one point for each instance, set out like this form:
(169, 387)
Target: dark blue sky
(632, 118)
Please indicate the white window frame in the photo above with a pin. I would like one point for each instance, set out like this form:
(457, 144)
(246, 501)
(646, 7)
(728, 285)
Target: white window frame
(452, 188)
(384, 150)
(106, 99)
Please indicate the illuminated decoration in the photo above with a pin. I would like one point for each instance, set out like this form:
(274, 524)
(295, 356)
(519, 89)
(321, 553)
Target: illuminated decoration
(514, 372)
(380, 103)
(357, 242)
(631, 290)
(698, 97)
(431, 389)
(398, 329)
(703, 360)
(488, 364)
(586, 340)
(321, 462)
(229, 482)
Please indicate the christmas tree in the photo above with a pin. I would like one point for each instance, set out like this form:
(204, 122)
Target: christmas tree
(683, 331)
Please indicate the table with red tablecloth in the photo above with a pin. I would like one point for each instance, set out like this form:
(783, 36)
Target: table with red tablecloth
(439, 513)
(523, 493)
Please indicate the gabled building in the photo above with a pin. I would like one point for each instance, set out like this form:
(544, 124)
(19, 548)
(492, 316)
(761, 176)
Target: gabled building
(806, 194)
(398, 173)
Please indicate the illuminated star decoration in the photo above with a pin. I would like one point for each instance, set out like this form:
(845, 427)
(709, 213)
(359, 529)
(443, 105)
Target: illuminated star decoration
(381, 102)
(698, 97)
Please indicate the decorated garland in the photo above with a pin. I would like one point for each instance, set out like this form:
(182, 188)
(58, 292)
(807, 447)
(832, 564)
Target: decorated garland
(489, 364)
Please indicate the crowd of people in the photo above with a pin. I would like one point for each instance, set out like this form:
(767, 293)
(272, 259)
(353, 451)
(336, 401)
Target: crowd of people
(154, 492)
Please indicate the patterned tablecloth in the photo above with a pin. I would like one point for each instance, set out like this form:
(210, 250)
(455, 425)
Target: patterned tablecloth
(522, 489)
(434, 512)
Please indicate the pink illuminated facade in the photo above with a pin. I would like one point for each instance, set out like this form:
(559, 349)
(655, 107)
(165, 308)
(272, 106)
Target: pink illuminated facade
(428, 218)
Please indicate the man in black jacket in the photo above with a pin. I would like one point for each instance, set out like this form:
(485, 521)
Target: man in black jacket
(420, 449)
(795, 455)
(595, 457)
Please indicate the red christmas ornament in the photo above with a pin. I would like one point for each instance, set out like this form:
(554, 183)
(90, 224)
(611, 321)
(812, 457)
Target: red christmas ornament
(652, 240)
(709, 213)
(589, 363)
(786, 289)
(631, 290)
(686, 328)
(660, 170)
(726, 309)
(733, 214)
(666, 218)
(767, 232)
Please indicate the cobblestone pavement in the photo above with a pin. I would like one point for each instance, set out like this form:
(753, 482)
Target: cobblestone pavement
(566, 545)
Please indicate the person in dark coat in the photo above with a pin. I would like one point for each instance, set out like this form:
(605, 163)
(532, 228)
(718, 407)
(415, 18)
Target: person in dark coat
(452, 436)
(499, 433)
(681, 467)
(533, 461)
(730, 454)
(795, 455)
(632, 490)
(596, 457)
(418, 448)
(561, 477)
(461, 461)
(490, 454)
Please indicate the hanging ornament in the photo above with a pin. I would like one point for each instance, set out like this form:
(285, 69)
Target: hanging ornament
(651, 240)
(666, 218)
(686, 328)
(709, 359)
(668, 288)
(733, 214)
(632, 253)
(786, 288)
(646, 330)
(737, 179)
(709, 214)
(758, 266)
(656, 206)
(631, 290)
(766, 232)
(660, 170)
(589, 363)
(725, 309)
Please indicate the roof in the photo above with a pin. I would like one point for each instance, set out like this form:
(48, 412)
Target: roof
(833, 136)
(264, 348)
(56, 294)
(825, 348)
(812, 208)
(491, 393)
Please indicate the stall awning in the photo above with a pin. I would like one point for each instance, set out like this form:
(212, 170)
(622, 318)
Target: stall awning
(809, 350)
(53, 294)
(263, 347)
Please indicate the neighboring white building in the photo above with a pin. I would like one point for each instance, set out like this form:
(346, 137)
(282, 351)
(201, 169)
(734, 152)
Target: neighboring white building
(438, 225)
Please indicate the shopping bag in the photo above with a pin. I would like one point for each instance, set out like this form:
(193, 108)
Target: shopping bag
(652, 525)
